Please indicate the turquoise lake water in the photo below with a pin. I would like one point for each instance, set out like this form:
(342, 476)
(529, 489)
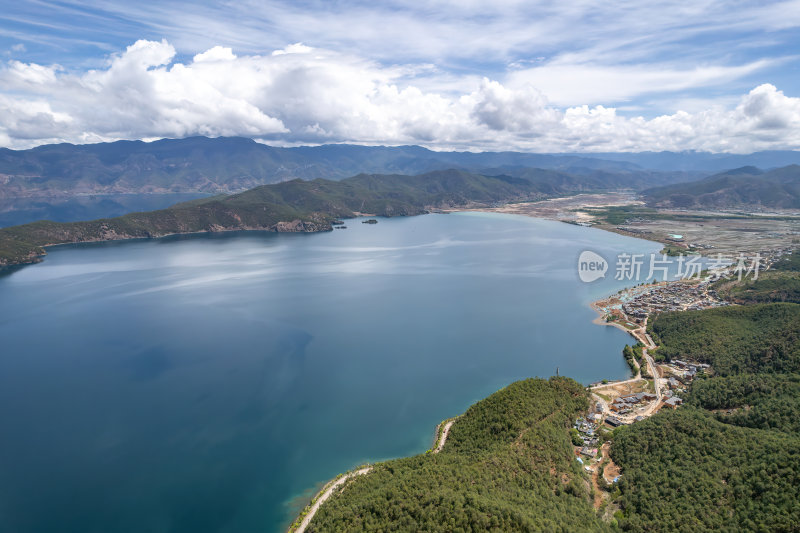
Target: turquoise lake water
(212, 383)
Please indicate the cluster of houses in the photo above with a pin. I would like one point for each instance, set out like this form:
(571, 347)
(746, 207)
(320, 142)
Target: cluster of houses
(689, 368)
(671, 297)
(625, 404)
(685, 373)
(614, 421)
(587, 427)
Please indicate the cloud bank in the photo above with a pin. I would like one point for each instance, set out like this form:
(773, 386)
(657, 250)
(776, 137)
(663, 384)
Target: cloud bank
(305, 95)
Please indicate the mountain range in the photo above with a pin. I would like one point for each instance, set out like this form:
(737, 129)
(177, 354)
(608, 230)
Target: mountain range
(706, 162)
(747, 186)
(233, 164)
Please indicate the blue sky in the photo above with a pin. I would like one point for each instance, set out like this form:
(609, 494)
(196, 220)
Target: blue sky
(527, 75)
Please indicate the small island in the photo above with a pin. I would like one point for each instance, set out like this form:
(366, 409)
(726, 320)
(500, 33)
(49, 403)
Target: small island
(370, 221)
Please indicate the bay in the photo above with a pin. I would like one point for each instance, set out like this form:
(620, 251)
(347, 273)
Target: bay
(213, 382)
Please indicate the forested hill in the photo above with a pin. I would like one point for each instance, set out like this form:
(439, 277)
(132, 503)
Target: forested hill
(507, 465)
(728, 460)
(295, 205)
(226, 165)
(743, 187)
(781, 283)
(734, 340)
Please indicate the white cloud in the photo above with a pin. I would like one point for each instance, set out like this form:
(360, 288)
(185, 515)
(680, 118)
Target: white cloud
(524, 110)
(572, 83)
(462, 31)
(311, 95)
(139, 94)
(20, 75)
(296, 48)
(31, 122)
(218, 53)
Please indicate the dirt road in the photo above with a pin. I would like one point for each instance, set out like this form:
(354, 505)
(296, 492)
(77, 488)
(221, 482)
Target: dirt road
(327, 494)
(443, 439)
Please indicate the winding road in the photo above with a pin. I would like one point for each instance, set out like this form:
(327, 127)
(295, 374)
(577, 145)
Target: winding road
(642, 336)
(327, 494)
(443, 438)
(342, 480)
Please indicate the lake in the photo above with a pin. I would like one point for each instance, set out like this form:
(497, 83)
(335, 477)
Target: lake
(212, 383)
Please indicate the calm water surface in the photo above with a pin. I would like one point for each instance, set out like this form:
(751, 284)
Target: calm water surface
(210, 384)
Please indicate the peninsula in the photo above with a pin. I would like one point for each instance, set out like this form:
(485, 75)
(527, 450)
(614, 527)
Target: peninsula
(292, 206)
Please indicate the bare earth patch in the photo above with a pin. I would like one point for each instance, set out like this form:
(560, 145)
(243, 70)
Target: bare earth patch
(719, 232)
(566, 208)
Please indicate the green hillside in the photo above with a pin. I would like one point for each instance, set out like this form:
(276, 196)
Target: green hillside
(744, 187)
(755, 338)
(508, 465)
(771, 286)
(730, 459)
(685, 471)
(781, 283)
(295, 205)
(761, 401)
(788, 263)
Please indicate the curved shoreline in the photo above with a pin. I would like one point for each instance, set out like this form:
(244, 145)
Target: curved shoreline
(308, 512)
(38, 255)
(442, 431)
(339, 481)
(326, 492)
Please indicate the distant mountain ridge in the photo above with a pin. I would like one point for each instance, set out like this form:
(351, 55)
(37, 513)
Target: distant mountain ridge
(233, 164)
(703, 161)
(290, 206)
(742, 187)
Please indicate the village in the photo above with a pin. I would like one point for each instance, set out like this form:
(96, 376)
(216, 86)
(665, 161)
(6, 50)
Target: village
(677, 296)
(630, 308)
(628, 402)
(656, 386)
(623, 403)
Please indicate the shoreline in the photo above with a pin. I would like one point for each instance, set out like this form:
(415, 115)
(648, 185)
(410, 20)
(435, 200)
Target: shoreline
(279, 227)
(441, 432)
(39, 251)
(37, 256)
(329, 489)
(600, 322)
(442, 428)
(305, 516)
(549, 208)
